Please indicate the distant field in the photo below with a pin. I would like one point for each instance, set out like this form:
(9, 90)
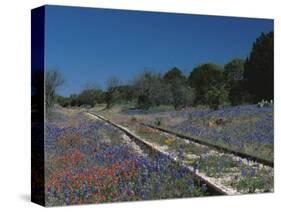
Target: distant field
(247, 128)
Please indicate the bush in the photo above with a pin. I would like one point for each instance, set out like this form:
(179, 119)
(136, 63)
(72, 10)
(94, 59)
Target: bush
(89, 96)
(152, 90)
(203, 78)
(216, 96)
(112, 95)
(158, 122)
(183, 96)
(86, 97)
(63, 101)
(144, 102)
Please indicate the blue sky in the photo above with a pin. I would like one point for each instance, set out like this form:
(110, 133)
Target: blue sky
(89, 45)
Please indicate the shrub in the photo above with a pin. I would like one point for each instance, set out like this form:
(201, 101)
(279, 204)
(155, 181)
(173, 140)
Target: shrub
(183, 96)
(216, 96)
(63, 101)
(158, 122)
(86, 97)
(144, 102)
(202, 78)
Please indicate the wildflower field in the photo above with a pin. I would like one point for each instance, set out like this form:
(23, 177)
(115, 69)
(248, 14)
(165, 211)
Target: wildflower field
(245, 128)
(90, 161)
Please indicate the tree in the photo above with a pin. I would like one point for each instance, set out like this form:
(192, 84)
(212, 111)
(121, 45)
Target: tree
(144, 86)
(127, 92)
(173, 74)
(233, 77)
(216, 96)
(144, 101)
(151, 90)
(73, 100)
(202, 78)
(63, 101)
(112, 94)
(182, 96)
(87, 97)
(53, 80)
(259, 68)
(234, 71)
(90, 95)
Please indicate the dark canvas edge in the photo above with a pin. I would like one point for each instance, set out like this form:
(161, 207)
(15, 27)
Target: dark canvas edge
(37, 105)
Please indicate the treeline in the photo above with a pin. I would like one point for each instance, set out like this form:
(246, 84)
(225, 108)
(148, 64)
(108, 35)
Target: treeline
(239, 81)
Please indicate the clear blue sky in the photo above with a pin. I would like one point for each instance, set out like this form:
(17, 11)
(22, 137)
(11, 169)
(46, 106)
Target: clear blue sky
(89, 45)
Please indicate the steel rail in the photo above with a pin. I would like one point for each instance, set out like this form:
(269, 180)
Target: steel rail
(214, 146)
(218, 188)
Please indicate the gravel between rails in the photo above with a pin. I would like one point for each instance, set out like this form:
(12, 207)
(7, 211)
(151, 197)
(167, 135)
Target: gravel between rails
(211, 182)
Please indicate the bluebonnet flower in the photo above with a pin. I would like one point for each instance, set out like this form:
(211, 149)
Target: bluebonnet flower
(244, 172)
(190, 184)
(240, 161)
(104, 164)
(253, 172)
(204, 187)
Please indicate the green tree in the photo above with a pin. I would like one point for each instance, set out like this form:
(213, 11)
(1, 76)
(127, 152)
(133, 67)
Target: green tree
(127, 93)
(151, 90)
(87, 97)
(144, 101)
(172, 75)
(99, 95)
(259, 68)
(183, 96)
(73, 100)
(63, 101)
(234, 71)
(202, 78)
(216, 96)
(112, 94)
(234, 76)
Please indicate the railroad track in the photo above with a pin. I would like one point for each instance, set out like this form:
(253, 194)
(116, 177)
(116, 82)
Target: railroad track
(219, 148)
(214, 186)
